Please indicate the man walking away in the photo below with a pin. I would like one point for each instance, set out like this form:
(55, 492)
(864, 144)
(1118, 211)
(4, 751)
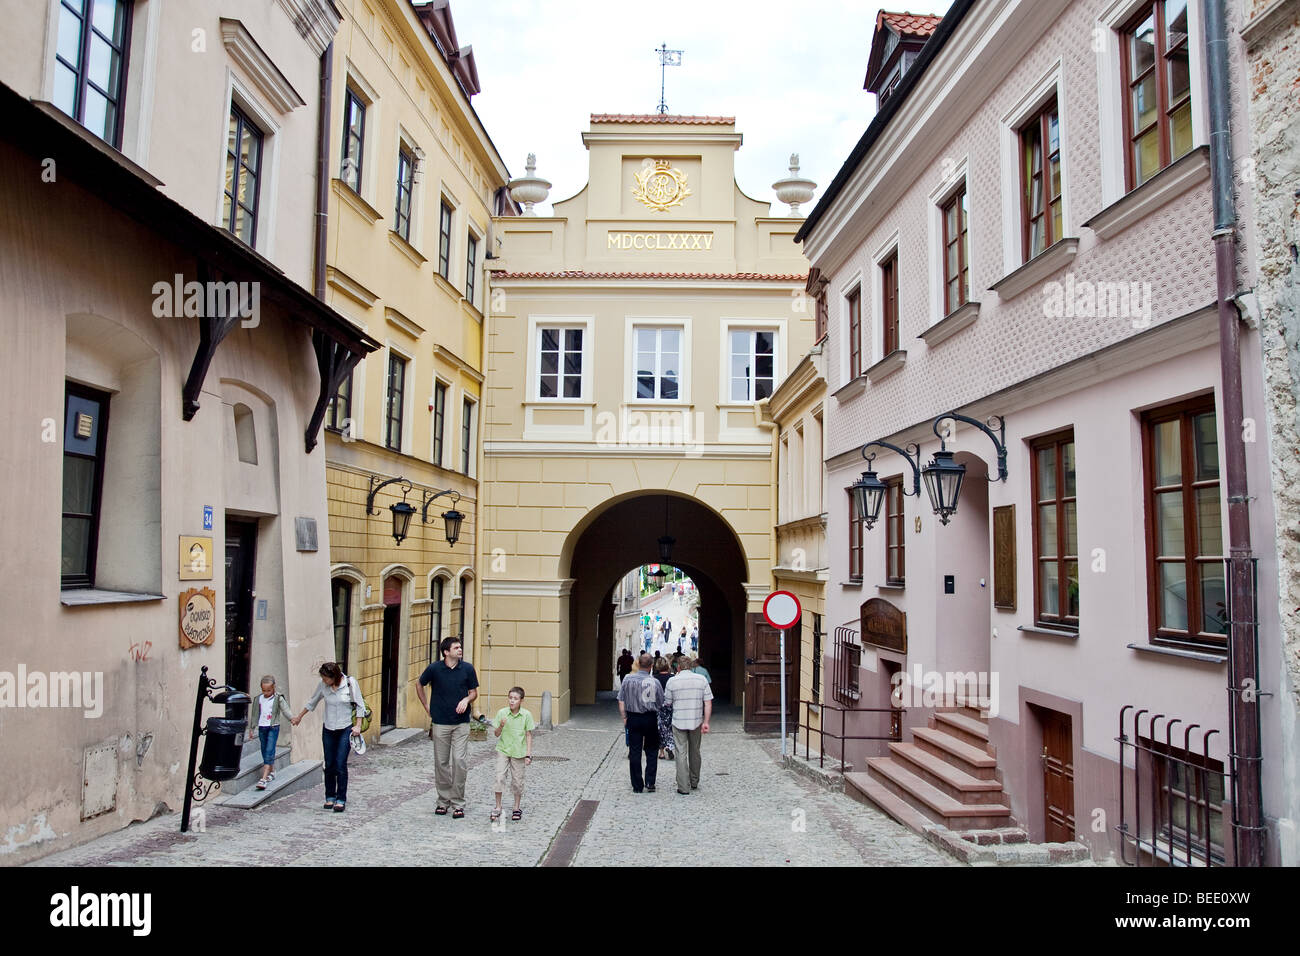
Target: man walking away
(691, 699)
(639, 700)
(455, 688)
(624, 664)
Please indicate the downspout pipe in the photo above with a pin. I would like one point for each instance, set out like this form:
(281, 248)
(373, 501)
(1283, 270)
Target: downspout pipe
(1244, 726)
(322, 168)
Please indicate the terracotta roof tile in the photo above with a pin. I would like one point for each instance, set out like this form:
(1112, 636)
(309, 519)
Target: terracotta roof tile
(662, 118)
(578, 274)
(909, 24)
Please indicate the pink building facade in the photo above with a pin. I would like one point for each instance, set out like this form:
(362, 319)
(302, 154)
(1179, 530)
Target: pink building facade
(1084, 314)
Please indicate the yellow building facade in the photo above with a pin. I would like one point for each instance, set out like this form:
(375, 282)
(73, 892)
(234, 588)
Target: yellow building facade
(797, 408)
(635, 337)
(413, 181)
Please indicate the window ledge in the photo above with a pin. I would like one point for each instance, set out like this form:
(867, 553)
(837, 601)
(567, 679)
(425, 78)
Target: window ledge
(404, 246)
(959, 318)
(887, 366)
(890, 587)
(81, 597)
(1052, 259)
(850, 584)
(1207, 657)
(851, 389)
(350, 197)
(1171, 182)
(553, 402)
(1049, 632)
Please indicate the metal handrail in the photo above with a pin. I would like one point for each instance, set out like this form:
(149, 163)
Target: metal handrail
(895, 728)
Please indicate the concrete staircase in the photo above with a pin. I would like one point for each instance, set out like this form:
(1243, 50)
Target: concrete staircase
(945, 780)
(242, 793)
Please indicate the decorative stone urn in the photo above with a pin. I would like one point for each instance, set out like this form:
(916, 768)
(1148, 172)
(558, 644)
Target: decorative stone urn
(794, 190)
(529, 189)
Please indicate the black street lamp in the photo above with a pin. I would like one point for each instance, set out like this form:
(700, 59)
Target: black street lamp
(451, 519)
(943, 476)
(657, 576)
(403, 511)
(869, 491)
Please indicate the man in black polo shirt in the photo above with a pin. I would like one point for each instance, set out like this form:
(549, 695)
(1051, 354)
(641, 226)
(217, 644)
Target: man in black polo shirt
(455, 688)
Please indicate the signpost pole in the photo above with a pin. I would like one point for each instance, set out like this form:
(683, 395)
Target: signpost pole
(783, 697)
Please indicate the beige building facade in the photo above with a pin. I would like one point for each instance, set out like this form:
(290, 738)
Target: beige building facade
(798, 409)
(414, 180)
(635, 335)
(163, 395)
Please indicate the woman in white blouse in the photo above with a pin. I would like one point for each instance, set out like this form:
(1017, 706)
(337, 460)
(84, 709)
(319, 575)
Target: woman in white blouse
(340, 693)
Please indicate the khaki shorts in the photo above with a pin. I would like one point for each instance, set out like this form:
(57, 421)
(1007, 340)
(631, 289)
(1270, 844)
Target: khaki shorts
(511, 768)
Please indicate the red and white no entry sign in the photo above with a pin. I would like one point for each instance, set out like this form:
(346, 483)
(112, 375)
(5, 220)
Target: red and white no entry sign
(781, 609)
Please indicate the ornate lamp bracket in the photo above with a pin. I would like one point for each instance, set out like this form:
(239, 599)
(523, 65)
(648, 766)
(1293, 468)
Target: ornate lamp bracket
(911, 453)
(999, 440)
(375, 485)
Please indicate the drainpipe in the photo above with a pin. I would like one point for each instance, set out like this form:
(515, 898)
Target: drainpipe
(322, 168)
(1244, 732)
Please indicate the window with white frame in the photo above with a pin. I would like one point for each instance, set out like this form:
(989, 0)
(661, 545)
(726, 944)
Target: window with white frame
(658, 357)
(439, 419)
(354, 139)
(559, 362)
(90, 64)
(467, 436)
(243, 177)
(1157, 78)
(471, 266)
(405, 189)
(752, 370)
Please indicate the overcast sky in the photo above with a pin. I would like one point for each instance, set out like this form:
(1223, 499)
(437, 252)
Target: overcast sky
(790, 73)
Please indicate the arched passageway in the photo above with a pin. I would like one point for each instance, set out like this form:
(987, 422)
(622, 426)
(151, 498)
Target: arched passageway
(626, 534)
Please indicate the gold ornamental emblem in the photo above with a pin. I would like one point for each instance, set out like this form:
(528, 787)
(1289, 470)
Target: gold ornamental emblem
(660, 185)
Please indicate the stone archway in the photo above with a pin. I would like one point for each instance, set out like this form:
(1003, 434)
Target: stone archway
(624, 534)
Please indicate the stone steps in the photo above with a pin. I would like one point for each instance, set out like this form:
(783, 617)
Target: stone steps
(302, 775)
(933, 802)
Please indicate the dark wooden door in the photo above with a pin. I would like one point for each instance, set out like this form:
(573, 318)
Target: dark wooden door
(1058, 777)
(763, 702)
(390, 665)
(241, 546)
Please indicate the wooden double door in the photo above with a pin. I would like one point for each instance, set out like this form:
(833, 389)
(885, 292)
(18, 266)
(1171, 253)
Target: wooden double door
(763, 702)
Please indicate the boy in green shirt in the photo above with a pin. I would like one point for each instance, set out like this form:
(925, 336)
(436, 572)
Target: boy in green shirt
(514, 731)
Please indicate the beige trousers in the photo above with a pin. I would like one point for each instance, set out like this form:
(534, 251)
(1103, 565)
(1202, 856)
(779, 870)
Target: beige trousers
(688, 757)
(451, 763)
(510, 769)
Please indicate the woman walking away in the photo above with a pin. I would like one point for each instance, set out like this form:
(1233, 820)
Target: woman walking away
(665, 714)
(340, 694)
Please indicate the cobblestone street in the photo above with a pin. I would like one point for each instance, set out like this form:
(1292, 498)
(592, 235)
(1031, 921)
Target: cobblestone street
(747, 811)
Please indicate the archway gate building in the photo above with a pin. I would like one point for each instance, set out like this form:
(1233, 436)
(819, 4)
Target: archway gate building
(633, 339)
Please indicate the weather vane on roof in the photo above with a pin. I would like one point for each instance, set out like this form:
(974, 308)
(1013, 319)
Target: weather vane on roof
(667, 58)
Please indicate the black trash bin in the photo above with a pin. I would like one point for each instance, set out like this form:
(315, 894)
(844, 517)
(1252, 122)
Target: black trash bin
(225, 736)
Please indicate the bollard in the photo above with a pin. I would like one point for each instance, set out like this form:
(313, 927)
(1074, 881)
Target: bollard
(546, 710)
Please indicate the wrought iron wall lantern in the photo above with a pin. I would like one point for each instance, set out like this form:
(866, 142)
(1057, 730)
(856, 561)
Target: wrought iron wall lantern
(943, 476)
(451, 518)
(869, 491)
(402, 510)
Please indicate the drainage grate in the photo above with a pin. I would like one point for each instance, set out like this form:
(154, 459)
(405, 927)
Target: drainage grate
(723, 773)
(554, 759)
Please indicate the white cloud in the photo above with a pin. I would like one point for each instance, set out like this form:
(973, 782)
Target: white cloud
(791, 75)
